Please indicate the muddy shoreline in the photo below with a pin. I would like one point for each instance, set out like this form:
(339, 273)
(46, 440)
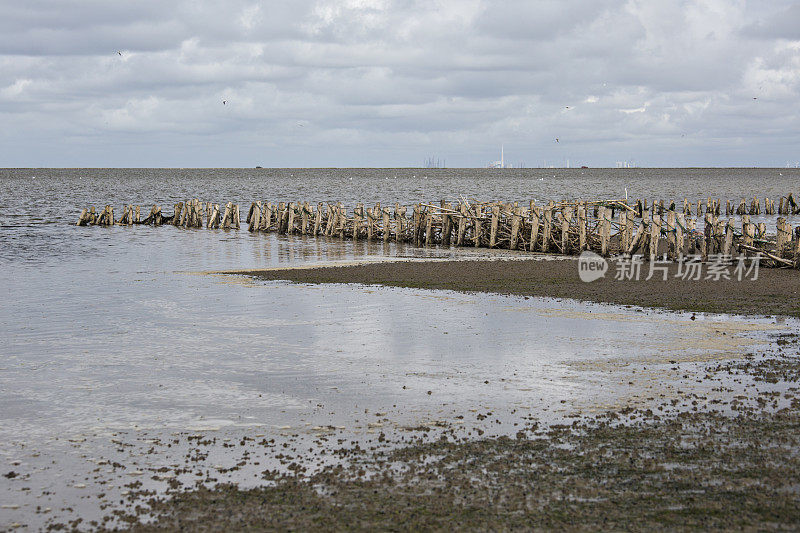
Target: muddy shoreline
(720, 458)
(774, 292)
(698, 464)
(714, 466)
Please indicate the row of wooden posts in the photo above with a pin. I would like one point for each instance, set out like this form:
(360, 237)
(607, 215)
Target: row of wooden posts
(787, 206)
(187, 215)
(607, 227)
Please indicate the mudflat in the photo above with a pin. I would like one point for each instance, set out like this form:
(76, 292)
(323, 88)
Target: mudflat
(774, 292)
(691, 463)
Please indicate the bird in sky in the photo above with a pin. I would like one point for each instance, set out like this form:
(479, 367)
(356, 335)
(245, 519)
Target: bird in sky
(566, 107)
(755, 98)
(120, 53)
(300, 124)
(556, 139)
(224, 102)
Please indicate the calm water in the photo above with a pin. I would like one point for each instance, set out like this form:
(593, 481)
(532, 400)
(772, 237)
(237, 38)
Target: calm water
(108, 330)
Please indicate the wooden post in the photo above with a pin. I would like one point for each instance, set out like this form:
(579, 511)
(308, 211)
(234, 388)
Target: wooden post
(726, 250)
(719, 234)
(386, 216)
(566, 217)
(399, 226)
(176, 218)
(638, 238)
(254, 217)
(370, 224)
(516, 220)
(699, 207)
(548, 227)
(290, 225)
(213, 222)
(680, 224)
(493, 228)
(428, 227)
(304, 218)
(605, 230)
(462, 224)
(477, 223)
(417, 220)
(655, 236)
(582, 245)
(358, 216)
(796, 247)
(748, 231)
(708, 235)
(672, 240)
(341, 220)
(331, 215)
(447, 224)
(783, 238)
(536, 218)
(318, 218)
(279, 217)
(226, 218)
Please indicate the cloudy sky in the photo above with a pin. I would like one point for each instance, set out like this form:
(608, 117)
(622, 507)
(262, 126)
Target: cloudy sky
(388, 83)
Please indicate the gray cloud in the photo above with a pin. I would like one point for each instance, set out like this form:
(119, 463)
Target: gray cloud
(377, 82)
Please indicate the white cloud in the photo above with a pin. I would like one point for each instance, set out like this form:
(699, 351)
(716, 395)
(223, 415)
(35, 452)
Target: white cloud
(450, 77)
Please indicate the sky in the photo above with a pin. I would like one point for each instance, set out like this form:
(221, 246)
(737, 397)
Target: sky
(379, 83)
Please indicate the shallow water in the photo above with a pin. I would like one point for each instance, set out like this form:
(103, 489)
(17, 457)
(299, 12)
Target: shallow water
(114, 332)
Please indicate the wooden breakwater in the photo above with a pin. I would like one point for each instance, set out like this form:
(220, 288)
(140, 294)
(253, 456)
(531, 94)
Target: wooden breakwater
(192, 214)
(609, 227)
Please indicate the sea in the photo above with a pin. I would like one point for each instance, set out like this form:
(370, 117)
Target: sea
(125, 334)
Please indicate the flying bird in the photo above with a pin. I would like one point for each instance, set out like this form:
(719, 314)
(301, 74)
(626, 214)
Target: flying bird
(566, 107)
(120, 53)
(224, 102)
(755, 98)
(556, 139)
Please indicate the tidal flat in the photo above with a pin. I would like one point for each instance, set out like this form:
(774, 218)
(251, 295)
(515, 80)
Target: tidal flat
(571, 415)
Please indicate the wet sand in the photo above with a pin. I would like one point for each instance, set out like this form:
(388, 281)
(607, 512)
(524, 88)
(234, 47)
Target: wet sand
(720, 457)
(718, 465)
(775, 292)
(694, 462)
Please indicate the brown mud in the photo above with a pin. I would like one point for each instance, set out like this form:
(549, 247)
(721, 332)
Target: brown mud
(775, 292)
(629, 470)
(727, 461)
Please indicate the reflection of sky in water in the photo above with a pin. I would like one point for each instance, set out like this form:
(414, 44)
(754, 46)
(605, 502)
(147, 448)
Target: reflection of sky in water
(116, 342)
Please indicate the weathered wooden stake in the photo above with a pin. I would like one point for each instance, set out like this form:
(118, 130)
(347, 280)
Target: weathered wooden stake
(672, 238)
(728, 246)
(566, 217)
(582, 244)
(536, 217)
(493, 228)
(516, 220)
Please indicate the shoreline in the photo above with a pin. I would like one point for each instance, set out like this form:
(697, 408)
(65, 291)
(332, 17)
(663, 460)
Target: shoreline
(706, 466)
(701, 461)
(775, 292)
